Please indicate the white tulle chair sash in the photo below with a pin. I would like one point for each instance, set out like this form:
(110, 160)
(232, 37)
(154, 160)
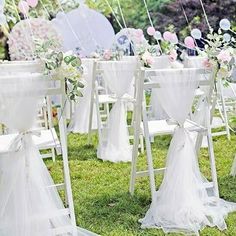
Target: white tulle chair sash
(115, 145)
(80, 120)
(182, 203)
(29, 201)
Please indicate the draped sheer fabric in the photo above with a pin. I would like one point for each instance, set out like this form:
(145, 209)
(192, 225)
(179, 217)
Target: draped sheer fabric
(80, 120)
(194, 62)
(162, 62)
(182, 203)
(28, 205)
(114, 145)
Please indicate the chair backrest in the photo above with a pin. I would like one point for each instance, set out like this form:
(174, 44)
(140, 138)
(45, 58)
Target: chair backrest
(194, 61)
(205, 80)
(12, 67)
(116, 73)
(148, 73)
(161, 62)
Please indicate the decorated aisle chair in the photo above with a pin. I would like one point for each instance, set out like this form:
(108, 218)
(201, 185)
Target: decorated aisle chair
(29, 201)
(185, 202)
(153, 128)
(113, 131)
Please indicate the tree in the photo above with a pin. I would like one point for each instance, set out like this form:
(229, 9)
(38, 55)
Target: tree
(168, 13)
(172, 14)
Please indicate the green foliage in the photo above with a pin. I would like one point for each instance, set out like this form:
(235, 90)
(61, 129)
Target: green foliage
(65, 65)
(134, 11)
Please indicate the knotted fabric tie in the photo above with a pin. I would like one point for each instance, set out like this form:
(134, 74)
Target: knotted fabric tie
(174, 122)
(17, 143)
(21, 141)
(123, 98)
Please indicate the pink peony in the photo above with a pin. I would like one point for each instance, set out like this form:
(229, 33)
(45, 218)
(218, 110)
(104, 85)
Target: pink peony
(173, 55)
(150, 60)
(224, 56)
(207, 64)
(147, 58)
(107, 55)
(23, 7)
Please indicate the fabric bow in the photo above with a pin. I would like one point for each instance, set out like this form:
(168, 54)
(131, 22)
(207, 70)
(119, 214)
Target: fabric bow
(17, 143)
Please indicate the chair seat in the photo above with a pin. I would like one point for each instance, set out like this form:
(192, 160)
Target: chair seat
(199, 92)
(106, 98)
(217, 122)
(47, 139)
(161, 127)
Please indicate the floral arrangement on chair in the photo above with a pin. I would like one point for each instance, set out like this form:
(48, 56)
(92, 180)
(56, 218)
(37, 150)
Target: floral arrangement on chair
(114, 54)
(67, 65)
(220, 54)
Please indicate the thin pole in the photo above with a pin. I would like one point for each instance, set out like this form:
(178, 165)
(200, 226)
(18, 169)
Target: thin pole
(205, 15)
(113, 13)
(151, 22)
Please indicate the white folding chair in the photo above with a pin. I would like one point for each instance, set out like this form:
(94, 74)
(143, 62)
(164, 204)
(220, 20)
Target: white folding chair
(154, 128)
(55, 87)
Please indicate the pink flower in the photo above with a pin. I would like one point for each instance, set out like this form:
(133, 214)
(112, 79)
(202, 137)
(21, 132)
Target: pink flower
(173, 55)
(139, 33)
(224, 56)
(207, 64)
(147, 58)
(150, 60)
(107, 55)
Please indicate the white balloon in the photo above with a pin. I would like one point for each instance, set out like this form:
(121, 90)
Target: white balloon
(174, 39)
(196, 33)
(227, 37)
(225, 24)
(157, 35)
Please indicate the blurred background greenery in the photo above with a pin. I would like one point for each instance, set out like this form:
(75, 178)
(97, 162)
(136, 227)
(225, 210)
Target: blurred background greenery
(166, 14)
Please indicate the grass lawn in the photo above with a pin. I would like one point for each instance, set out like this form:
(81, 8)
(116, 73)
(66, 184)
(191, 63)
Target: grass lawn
(102, 202)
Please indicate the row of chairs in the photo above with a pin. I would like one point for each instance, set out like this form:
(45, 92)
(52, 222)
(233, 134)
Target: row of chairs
(143, 127)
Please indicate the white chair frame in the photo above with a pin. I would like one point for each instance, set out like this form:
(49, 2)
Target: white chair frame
(69, 210)
(141, 114)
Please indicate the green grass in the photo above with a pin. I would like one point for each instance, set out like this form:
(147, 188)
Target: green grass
(102, 202)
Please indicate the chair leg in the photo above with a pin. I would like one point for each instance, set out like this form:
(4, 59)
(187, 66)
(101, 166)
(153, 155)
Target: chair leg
(141, 143)
(212, 157)
(149, 155)
(134, 164)
(225, 115)
(53, 155)
(136, 125)
(68, 189)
